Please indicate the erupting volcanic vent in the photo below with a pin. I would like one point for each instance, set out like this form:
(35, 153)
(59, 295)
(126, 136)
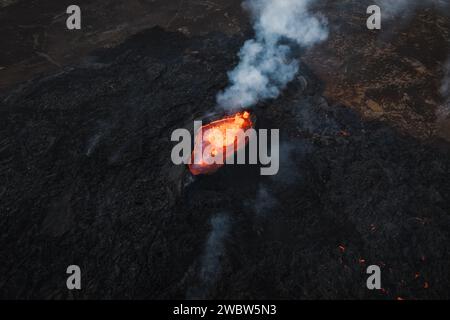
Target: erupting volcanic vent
(218, 141)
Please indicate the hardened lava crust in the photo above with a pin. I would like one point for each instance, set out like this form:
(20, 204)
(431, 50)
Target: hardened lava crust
(87, 178)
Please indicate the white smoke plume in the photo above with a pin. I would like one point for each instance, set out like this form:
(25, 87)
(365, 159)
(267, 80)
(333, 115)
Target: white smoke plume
(265, 66)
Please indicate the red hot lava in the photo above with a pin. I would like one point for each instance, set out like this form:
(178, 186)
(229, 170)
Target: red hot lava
(218, 140)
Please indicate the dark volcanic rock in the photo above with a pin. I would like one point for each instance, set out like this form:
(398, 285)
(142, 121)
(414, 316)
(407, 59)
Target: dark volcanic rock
(87, 179)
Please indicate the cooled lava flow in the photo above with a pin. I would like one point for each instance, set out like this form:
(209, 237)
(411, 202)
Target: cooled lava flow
(220, 136)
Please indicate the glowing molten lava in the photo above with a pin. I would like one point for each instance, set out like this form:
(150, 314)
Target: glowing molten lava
(218, 141)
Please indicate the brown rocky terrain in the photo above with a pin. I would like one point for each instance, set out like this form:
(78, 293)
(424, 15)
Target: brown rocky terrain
(393, 74)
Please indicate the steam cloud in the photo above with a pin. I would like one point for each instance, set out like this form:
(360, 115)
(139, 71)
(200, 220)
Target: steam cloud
(265, 66)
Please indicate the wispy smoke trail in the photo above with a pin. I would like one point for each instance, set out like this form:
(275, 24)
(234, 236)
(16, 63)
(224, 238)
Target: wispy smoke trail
(265, 66)
(211, 259)
(443, 111)
(445, 86)
(264, 202)
(395, 8)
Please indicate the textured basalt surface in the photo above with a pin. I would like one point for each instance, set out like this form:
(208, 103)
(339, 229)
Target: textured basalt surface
(87, 179)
